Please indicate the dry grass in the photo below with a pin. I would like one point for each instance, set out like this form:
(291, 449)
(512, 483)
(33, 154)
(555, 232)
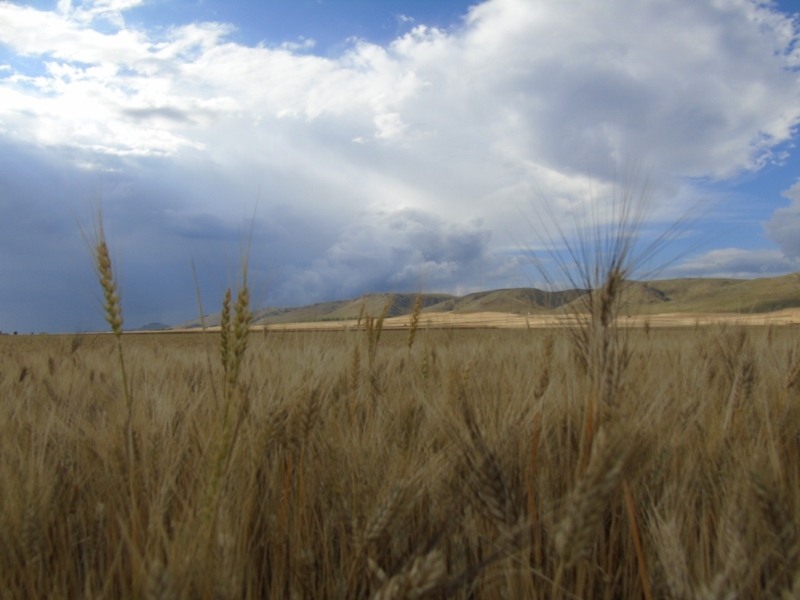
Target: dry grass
(353, 464)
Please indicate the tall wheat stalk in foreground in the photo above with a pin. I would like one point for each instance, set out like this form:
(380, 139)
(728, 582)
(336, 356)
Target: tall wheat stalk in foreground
(599, 259)
(605, 251)
(234, 333)
(112, 307)
(414, 324)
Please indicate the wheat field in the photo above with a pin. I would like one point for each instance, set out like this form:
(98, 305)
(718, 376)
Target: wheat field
(361, 463)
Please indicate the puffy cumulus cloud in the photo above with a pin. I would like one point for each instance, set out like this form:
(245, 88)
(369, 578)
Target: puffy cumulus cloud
(783, 228)
(453, 132)
(124, 89)
(697, 88)
(736, 263)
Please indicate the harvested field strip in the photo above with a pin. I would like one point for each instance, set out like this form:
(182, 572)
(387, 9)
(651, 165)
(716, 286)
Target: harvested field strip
(489, 320)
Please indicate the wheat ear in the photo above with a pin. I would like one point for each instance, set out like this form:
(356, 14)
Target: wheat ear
(412, 330)
(384, 514)
(233, 344)
(416, 580)
(111, 303)
(225, 333)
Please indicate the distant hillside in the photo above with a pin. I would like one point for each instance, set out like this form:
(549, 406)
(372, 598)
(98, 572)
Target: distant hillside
(654, 297)
(152, 327)
(732, 295)
(515, 300)
(339, 310)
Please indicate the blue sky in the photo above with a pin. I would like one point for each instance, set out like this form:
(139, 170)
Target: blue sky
(380, 145)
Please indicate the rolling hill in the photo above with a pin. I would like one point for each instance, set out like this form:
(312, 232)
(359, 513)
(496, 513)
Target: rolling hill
(665, 296)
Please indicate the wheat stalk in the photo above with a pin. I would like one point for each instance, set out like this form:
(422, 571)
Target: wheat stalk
(792, 375)
(112, 307)
(361, 311)
(491, 489)
(586, 504)
(637, 540)
(543, 381)
(412, 330)
(225, 333)
(672, 558)
(355, 366)
(384, 514)
(233, 344)
(33, 542)
(111, 304)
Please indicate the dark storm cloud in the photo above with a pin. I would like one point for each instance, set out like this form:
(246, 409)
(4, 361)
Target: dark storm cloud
(199, 226)
(399, 250)
(45, 286)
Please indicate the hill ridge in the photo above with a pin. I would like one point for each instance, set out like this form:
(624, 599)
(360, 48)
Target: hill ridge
(683, 295)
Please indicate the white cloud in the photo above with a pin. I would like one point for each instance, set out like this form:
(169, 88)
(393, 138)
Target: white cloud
(302, 44)
(736, 263)
(696, 88)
